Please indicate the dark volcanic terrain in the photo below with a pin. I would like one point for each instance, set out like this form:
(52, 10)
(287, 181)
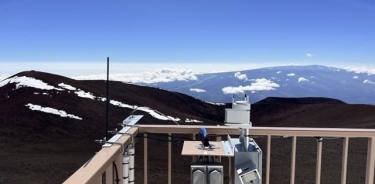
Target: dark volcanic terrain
(49, 147)
(40, 147)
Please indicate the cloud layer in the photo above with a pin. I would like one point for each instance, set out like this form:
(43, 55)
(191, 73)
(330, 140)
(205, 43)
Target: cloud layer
(165, 75)
(197, 90)
(359, 70)
(258, 85)
(291, 74)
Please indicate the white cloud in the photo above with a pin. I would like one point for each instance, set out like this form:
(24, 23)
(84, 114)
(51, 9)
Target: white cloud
(278, 72)
(197, 90)
(361, 70)
(50, 110)
(240, 76)
(291, 74)
(259, 85)
(355, 77)
(368, 82)
(303, 79)
(165, 75)
(309, 55)
(24, 81)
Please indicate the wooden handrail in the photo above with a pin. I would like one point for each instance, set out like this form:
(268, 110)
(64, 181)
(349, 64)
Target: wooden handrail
(91, 171)
(273, 131)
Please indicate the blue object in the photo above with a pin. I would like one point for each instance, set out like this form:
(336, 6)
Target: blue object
(203, 133)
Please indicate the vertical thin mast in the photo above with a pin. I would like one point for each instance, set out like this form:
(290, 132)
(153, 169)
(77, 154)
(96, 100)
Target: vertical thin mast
(107, 102)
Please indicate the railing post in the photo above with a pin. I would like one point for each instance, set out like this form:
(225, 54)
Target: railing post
(318, 160)
(218, 138)
(104, 178)
(370, 161)
(194, 138)
(109, 173)
(169, 158)
(344, 165)
(145, 158)
(268, 160)
(293, 160)
(117, 178)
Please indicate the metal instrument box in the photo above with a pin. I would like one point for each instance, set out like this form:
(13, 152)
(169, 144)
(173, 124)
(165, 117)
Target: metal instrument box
(207, 174)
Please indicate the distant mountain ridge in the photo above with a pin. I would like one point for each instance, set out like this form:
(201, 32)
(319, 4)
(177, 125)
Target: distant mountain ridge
(311, 112)
(305, 100)
(285, 81)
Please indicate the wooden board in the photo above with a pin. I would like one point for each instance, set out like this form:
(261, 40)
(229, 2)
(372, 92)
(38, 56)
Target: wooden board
(194, 148)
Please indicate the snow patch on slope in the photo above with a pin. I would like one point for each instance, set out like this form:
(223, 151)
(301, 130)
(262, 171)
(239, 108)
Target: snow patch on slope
(187, 120)
(84, 94)
(67, 86)
(78, 92)
(35, 83)
(154, 113)
(50, 110)
(259, 85)
(24, 81)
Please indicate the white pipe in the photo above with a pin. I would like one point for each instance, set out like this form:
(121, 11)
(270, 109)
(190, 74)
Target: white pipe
(247, 139)
(131, 163)
(125, 167)
(244, 138)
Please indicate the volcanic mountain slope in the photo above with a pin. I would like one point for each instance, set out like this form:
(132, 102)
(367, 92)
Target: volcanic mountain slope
(51, 105)
(48, 123)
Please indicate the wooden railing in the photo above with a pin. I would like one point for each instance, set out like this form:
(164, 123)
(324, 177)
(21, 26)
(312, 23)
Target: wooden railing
(98, 170)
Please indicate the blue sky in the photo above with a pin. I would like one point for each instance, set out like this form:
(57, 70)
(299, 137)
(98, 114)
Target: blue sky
(254, 32)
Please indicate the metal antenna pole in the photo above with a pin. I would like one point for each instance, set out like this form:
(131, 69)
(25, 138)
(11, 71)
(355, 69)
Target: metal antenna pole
(107, 102)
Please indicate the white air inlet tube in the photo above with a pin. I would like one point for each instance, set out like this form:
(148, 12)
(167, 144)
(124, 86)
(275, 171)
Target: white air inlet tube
(125, 166)
(244, 138)
(131, 163)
